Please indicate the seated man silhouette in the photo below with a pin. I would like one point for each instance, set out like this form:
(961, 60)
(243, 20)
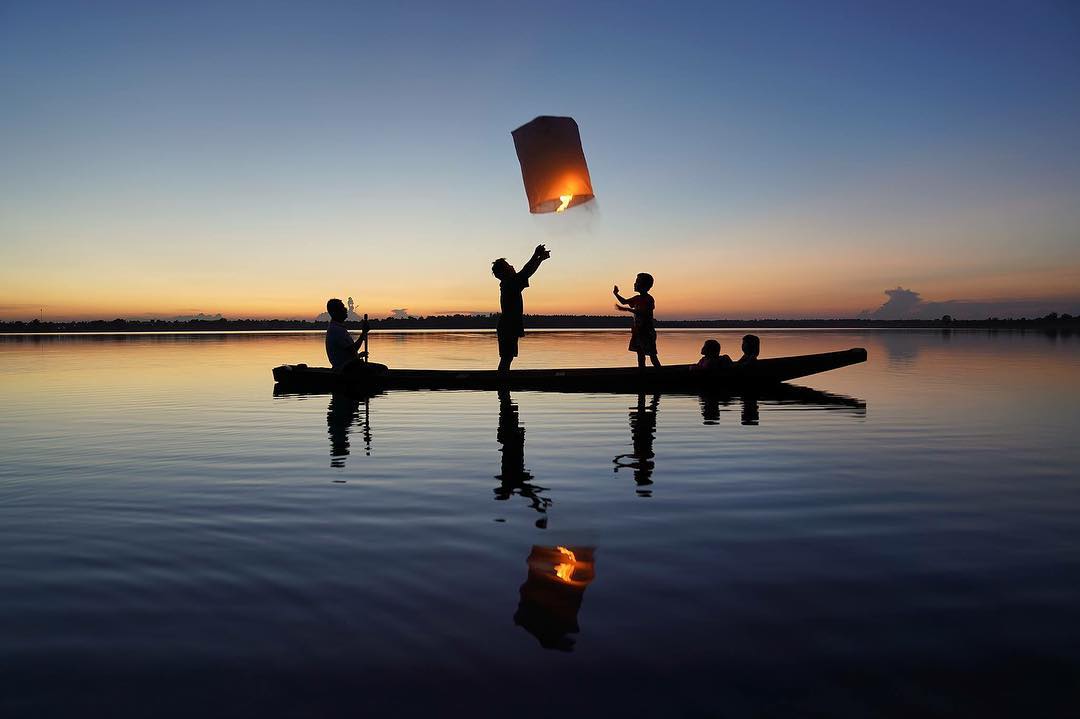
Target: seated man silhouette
(342, 351)
(751, 348)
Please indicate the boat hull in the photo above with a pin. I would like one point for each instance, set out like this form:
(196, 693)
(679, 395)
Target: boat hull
(682, 378)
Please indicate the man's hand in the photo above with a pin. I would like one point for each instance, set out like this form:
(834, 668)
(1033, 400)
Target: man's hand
(615, 291)
(542, 252)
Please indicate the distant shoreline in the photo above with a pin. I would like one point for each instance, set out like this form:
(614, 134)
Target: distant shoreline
(569, 322)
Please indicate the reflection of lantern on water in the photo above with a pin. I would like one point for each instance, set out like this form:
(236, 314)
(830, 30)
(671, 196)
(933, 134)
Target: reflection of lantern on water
(552, 593)
(552, 164)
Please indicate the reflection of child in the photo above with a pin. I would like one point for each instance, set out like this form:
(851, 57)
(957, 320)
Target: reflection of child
(711, 357)
(642, 305)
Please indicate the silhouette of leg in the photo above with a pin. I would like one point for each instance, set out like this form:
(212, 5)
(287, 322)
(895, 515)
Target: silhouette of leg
(655, 361)
(641, 360)
(504, 364)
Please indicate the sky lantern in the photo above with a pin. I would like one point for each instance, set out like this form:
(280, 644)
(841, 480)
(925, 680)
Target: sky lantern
(552, 164)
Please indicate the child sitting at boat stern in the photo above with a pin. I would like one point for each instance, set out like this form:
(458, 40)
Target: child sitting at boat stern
(711, 357)
(751, 348)
(642, 305)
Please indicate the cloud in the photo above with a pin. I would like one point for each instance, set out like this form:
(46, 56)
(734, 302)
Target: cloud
(177, 318)
(905, 304)
(902, 303)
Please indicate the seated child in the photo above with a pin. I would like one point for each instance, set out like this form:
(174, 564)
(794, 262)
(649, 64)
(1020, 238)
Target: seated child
(711, 357)
(751, 347)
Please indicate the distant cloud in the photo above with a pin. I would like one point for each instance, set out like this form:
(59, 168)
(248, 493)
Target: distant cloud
(197, 316)
(178, 318)
(902, 304)
(906, 304)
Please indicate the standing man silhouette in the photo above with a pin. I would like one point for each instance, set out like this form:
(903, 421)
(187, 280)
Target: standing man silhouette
(512, 320)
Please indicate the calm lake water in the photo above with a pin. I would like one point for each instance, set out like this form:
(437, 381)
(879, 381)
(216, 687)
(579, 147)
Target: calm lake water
(177, 540)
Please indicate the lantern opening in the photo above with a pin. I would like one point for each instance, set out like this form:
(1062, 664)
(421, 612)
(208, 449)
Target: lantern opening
(565, 200)
(565, 570)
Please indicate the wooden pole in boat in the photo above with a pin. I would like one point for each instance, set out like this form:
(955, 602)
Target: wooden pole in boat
(367, 424)
(365, 339)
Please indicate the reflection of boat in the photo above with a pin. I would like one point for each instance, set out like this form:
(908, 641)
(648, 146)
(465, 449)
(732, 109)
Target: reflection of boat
(762, 372)
(552, 593)
(780, 395)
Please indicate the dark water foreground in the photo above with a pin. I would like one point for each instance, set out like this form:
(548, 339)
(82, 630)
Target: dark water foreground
(175, 540)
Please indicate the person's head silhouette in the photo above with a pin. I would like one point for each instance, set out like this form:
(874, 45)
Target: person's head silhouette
(502, 269)
(751, 347)
(336, 309)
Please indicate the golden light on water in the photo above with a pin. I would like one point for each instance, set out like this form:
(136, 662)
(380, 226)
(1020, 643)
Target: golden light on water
(565, 202)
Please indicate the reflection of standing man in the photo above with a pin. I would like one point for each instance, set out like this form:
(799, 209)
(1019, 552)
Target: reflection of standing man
(642, 433)
(514, 478)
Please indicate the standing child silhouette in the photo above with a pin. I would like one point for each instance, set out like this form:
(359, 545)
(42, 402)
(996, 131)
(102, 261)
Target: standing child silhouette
(642, 305)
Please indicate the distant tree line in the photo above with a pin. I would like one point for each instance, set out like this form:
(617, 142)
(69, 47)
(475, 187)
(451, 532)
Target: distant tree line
(1053, 320)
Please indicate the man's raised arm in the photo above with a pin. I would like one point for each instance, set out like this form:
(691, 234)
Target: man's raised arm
(540, 254)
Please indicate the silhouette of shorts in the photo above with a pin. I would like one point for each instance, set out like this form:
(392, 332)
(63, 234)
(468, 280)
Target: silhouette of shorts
(508, 344)
(643, 340)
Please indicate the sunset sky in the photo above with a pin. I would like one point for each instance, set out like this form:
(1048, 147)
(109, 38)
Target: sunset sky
(759, 159)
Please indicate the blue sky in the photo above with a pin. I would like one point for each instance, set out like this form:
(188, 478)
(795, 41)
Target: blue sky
(790, 159)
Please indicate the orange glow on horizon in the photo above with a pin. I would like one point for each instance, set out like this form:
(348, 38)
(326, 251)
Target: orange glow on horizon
(736, 282)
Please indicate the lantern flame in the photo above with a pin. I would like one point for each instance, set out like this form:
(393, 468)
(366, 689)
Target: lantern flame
(565, 202)
(565, 571)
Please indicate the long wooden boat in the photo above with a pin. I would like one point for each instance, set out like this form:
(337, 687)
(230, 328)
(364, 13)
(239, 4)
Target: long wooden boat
(762, 372)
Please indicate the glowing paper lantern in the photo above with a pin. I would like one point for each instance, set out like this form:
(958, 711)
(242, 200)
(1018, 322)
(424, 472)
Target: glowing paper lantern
(552, 164)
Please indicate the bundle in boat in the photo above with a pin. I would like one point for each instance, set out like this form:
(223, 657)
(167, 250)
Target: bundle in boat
(552, 164)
